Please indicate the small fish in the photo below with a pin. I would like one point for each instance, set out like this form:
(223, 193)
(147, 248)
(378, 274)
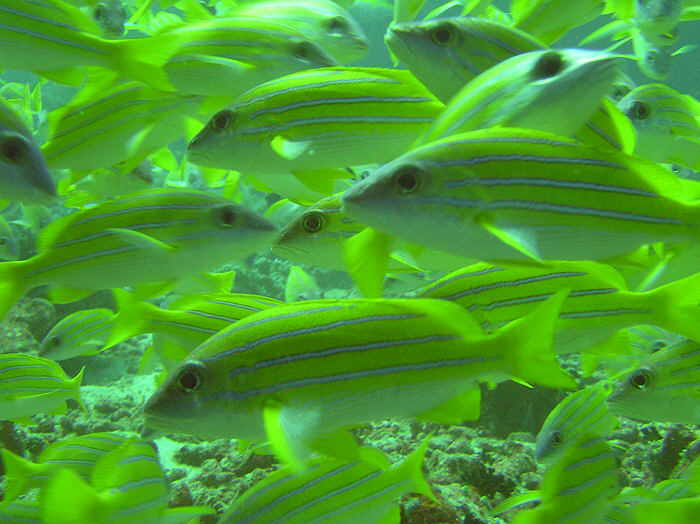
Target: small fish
(300, 286)
(31, 385)
(584, 411)
(81, 333)
(664, 388)
(567, 202)
(325, 22)
(445, 54)
(155, 235)
(298, 374)
(554, 91)
(24, 175)
(78, 453)
(127, 485)
(333, 490)
(317, 119)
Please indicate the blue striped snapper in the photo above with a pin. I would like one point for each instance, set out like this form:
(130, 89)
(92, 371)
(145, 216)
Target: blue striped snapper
(155, 235)
(555, 91)
(78, 453)
(118, 121)
(549, 20)
(321, 118)
(53, 38)
(598, 306)
(127, 485)
(664, 388)
(297, 374)
(226, 56)
(568, 201)
(81, 333)
(325, 22)
(667, 124)
(333, 490)
(445, 54)
(300, 286)
(31, 385)
(24, 175)
(584, 411)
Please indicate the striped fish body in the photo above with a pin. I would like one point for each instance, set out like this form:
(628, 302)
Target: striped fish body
(553, 197)
(50, 36)
(667, 124)
(554, 91)
(114, 123)
(25, 511)
(584, 411)
(332, 490)
(81, 333)
(149, 236)
(598, 306)
(314, 367)
(665, 388)
(445, 54)
(79, 454)
(227, 56)
(24, 175)
(31, 385)
(325, 22)
(321, 118)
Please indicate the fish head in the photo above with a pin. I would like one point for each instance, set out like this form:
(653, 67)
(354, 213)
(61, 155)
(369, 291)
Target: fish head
(549, 440)
(24, 173)
(215, 144)
(341, 36)
(632, 396)
(246, 231)
(111, 16)
(308, 55)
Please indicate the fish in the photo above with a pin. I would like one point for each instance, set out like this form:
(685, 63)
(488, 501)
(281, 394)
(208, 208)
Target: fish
(79, 453)
(667, 124)
(589, 204)
(111, 16)
(24, 175)
(111, 122)
(554, 91)
(297, 375)
(127, 484)
(81, 333)
(9, 249)
(31, 385)
(664, 388)
(446, 54)
(300, 286)
(325, 22)
(333, 490)
(549, 20)
(580, 487)
(598, 306)
(55, 39)
(584, 411)
(317, 119)
(154, 235)
(226, 56)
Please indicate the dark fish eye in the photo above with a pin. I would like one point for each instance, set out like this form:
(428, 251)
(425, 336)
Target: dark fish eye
(190, 378)
(620, 92)
(222, 120)
(640, 379)
(337, 25)
(226, 216)
(640, 110)
(658, 345)
(549, 65)
(100, 12)
(303, 50)
(13, 150)
(313, 222)
(557, 438)
(442, 35)
(407, 179)
(55, 341)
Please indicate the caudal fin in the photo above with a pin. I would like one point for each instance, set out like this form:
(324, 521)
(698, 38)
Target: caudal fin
(11, 286)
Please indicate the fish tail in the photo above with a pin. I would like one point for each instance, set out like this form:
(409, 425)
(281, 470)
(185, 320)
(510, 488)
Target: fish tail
(67, 498)
(17, 471)
(530, 337)
(676, 306)
(130, 321)
(143, 58)
(413, 466)
(11, 285)
(75, 386)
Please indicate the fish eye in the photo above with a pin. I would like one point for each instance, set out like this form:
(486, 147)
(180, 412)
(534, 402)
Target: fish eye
(548, 65)
(641, 379)
(337, 25)
(13, 150)
(313, 222)
(407, 179)
(190, 378)
(303, 50)
(222, 120)
(640, 110)
(658, 345)
(557, 438)
(55, 341)
(620, 92)
(442, 35)
(99, 12)
(226, 216)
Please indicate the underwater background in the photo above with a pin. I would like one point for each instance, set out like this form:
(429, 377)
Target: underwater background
(440, 472)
